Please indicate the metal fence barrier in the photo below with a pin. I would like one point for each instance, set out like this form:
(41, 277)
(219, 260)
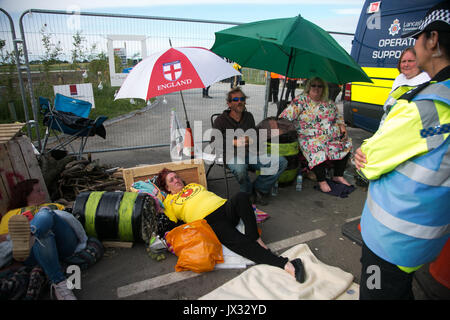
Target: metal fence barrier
(80, 48)
(11, 75)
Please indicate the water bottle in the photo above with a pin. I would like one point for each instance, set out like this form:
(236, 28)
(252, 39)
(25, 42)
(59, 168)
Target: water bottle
(275, 189)
(298, 186)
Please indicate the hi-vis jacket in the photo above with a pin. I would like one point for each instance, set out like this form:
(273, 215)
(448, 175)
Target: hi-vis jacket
(406, 218)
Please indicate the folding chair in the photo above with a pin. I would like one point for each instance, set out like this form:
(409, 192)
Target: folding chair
(219, 161)
(69, 116)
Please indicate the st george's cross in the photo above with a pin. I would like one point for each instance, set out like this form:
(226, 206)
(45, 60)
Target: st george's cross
(172, 70)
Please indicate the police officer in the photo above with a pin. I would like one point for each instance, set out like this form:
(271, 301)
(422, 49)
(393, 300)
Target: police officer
(406, 218)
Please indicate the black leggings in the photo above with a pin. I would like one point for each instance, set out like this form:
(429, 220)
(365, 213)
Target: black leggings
(394, 284)
(339, 168)
(224, 221)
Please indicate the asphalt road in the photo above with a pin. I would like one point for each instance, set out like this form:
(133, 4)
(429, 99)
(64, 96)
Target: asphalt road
(308, 216)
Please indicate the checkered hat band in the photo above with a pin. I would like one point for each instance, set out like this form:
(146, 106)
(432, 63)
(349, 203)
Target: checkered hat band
(436, 15)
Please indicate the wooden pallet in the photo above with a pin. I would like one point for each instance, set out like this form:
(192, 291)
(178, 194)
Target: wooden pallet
(9, 131)
(189, 171)
(17, 163)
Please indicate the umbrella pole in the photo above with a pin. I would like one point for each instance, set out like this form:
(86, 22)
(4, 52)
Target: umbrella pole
(285, 75)
(282, 90)
(188, 127)
(184, 108)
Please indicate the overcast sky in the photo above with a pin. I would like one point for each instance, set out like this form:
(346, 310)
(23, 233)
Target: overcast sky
(337, 15)
(331, 15)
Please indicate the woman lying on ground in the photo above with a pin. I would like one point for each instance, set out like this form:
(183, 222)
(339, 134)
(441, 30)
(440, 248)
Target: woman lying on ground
(49, 237)
(193, 202)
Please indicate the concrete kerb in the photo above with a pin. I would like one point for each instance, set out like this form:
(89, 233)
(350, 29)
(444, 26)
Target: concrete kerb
(132, 113)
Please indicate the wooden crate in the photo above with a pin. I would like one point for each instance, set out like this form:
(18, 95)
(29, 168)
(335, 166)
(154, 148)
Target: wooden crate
(189, 171)
(9, 131)
(17, 163)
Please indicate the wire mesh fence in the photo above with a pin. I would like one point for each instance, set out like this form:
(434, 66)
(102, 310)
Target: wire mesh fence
(87, 55)
(99, 50)
(10, 99)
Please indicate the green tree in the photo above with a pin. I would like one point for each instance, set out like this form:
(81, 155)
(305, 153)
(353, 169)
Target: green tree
(8, 84)
(98, 69)
(51, 50)
(78, 51)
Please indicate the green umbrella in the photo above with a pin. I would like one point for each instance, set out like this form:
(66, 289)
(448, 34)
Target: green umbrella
(294, 47)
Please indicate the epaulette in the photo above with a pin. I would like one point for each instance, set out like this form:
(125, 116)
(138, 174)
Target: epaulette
(409, 95)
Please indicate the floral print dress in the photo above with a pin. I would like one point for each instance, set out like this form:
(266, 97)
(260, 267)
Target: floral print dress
(318, 130)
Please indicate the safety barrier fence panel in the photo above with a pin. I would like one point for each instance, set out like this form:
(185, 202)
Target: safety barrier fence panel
(13, 101)
(8, 66)
(87, 55)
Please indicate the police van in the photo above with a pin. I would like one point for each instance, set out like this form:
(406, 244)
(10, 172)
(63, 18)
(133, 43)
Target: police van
(376, 47)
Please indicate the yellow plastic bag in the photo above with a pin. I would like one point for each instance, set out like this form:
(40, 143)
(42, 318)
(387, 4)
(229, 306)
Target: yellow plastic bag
(196, 245)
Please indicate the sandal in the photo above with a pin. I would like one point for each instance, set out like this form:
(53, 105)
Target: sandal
(19, 231)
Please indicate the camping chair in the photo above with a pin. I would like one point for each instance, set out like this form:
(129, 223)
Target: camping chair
(218, 160)
(70, 117)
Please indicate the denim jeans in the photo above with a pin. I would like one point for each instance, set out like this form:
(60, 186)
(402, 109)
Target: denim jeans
(55, 241)
(264, 182)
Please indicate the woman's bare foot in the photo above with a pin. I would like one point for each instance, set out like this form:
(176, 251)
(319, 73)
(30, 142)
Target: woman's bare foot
(324, 186)
(261, 243)
(341, 180)
(289, 268)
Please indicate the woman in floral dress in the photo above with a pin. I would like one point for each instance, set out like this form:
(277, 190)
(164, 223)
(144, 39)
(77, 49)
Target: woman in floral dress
(322, 134)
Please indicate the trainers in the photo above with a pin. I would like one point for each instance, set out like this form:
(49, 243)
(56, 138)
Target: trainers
(61, 292)
(19, 231)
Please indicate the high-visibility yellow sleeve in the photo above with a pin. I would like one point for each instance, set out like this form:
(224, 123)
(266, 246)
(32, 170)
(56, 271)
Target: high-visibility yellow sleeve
(396, 141)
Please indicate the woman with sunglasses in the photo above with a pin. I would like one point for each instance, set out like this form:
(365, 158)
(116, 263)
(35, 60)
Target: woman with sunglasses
(322, 134)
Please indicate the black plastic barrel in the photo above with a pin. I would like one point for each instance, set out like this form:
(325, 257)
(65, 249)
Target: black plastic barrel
(287, 145)
(288, 148)
(112, 215)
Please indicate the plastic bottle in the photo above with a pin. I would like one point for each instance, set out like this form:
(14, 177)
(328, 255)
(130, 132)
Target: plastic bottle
(298, 186)
(275, 189)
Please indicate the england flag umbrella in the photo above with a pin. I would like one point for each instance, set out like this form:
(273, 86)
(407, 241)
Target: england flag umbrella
(175, 69)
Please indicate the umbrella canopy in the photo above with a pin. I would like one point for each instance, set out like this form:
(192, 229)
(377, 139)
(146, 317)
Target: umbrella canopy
(175, 69)
(294, 47)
